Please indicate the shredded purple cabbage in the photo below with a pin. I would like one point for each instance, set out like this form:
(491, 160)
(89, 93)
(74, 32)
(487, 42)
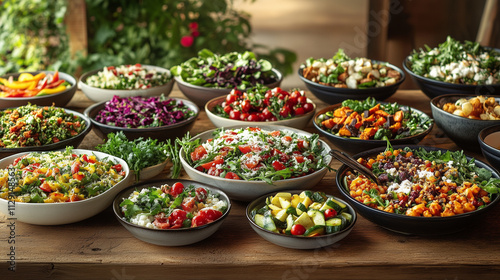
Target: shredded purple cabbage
(142, 112)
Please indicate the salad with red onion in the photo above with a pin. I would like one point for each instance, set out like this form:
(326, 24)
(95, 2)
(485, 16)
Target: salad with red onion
(143, 112)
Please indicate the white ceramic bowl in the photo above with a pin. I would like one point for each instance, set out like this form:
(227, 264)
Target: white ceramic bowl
(298, 242)
(201, 95)
(249, 190)
(170, 237)
(299, 122)
(98, 94)
(64, 212)
(150, 171)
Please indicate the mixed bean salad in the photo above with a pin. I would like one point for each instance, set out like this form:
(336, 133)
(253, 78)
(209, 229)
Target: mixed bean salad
(31, 125)
(59, 176)
(230, 70)
(423, 183)
(455, 62)
(341, 71)
(261, 103)
(256, 154)
(371, 120)
(125, 77)
(171, 207)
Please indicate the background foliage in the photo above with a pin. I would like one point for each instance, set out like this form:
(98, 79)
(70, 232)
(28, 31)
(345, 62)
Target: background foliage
(160, 32)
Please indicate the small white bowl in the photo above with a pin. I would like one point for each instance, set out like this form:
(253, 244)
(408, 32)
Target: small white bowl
(170, 237)
(99, 94)
(299, 122)
(249, 190)
(151, 171)
(64, 212)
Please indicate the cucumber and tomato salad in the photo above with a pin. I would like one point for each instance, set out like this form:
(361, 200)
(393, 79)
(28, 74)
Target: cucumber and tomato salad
(305, 214)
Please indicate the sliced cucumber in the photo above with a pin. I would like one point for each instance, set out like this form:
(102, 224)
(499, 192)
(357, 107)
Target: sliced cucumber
(315, 205)
(315, 230)
(301, 208)
(259, 220)
(289, 223)
(317, 217)
(291, 210)
(334, 204)
(347, 216)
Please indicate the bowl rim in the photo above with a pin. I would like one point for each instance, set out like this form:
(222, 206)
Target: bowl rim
(150, 183)
(407, 68)
(218, 100)
(185, 165)
(83, 79)
(360, 141)
(73, 86)
(371, 152)
(350, 90)
(61, 143)
(188, 103)
(485, 132)
(101, 155)
(435, 101)
(260, 199)
(186, 84)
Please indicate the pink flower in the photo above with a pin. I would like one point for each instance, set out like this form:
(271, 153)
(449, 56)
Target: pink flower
(187, 41)
(195, 33)
(193, 26)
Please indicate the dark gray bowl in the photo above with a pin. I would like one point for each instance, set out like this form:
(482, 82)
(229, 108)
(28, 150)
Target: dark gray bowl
(170, 237)
(353, 146)
(489, 141)
(161, 133)
(433, 88)
(333, 95)
(414, 225)
(58, 99)
(73, 141)
(201, 95)
(463, 131)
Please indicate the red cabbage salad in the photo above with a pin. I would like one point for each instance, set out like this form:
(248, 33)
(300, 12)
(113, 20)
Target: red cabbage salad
(231, 70)
(143, 112)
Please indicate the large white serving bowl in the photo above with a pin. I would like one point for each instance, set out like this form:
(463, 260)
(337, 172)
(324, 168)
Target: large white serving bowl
(249, 190)
(299, 122)
(99, 94)
(64, 212)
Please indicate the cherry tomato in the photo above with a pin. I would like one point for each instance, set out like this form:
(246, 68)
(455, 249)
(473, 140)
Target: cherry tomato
(298, 229)
(308, 107)
(300, 144)
(201, 194)
(230, 98)
(227, 109)
(177, 189)
(244, 149)
(210, 214)
(278, 165)
(232, 175)
(299, 111)
(75, 167)
(188, 204)
(330, 213)
(295, 95)
(198, 221)
(213, 171)
(217, 160)
(267, 114)
(285, 112)
(234, 115)
(45, 187)
(78, 176)
(245, 106)
(253, 118)
(302, 100)
(198, 153)
(244, 116)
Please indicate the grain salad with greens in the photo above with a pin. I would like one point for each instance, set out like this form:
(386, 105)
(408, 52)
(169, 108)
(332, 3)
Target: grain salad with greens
(455, 62)
(31, 125)
(125, 77)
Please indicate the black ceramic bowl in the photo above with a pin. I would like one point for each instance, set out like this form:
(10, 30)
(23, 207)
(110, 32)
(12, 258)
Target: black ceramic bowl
(463, 131)
(73, 141)
(161, 133)
(353, 145)
(489, 141)
(59, 99)
(433, 88)
(413, 225)
(333, 95)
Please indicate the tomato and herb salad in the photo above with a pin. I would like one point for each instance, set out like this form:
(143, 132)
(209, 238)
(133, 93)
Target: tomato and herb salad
(125, 77)
(417, 182)
(171, 207)
(264, 104)
(370, 120)
(305, 214)
(256, 154)
(31, 125)
(28, 85)
(60, 176)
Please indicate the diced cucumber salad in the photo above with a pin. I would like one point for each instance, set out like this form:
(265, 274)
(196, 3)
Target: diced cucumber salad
(305, 214)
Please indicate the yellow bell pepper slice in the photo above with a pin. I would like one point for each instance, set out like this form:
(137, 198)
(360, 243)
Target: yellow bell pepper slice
(47, 91)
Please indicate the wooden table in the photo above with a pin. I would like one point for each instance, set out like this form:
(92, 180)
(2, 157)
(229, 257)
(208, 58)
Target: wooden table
(100, 248)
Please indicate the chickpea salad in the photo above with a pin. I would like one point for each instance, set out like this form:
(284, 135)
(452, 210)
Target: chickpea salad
(256, 154)
(455, 62)
(171, 207)
(31, 125)
(341, 71)
(128, 77)
(477, 108)
(423, 183)
(59, 176)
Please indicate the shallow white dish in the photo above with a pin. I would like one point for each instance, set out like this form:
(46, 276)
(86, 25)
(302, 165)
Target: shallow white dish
(299, 122)
(249, 190)
(99, 94)
(64, 212)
